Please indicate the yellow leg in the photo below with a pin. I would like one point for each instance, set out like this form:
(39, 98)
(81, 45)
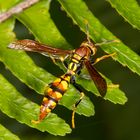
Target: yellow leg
(35, 122)
(113, 86)
(103, 57)
(53, 59)
(74, 109)
(72, 119)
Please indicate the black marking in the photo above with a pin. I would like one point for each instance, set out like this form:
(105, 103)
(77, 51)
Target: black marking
(77, 103)
(72, 80)
(77, 87)
(91, 51)
(75, 58)
(66, 75)
(73, 64)
(92, 59)
(54, 88)
(65, 64)
(51, 98)
(78, 68)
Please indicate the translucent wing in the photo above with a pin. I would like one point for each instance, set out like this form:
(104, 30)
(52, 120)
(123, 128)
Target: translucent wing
(97, 78)
(34, 46)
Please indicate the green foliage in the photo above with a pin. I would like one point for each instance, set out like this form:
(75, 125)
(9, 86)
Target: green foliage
(129, 9)
(16, 106)
(98, 33)
(38, 20)
(6, 134)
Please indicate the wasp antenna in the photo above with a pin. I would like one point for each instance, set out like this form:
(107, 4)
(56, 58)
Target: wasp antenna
(87, 30)
(107, 42)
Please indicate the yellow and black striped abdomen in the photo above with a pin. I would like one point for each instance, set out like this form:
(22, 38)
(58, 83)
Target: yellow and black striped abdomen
(53, 94)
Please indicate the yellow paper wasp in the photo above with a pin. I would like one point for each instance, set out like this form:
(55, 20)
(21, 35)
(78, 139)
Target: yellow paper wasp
(78, 58)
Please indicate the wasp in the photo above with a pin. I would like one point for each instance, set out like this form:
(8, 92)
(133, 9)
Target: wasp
(78, 58)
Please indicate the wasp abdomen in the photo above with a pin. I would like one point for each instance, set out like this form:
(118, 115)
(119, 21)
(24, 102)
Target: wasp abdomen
(53, 94)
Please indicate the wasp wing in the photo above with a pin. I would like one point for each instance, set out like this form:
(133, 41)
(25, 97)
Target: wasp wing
(97, 78)
(34, 46)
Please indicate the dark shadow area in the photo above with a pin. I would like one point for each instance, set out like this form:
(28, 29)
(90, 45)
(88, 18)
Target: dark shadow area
(71, 32)
(109, 17)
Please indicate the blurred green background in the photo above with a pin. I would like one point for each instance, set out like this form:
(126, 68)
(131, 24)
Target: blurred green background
(111, 121)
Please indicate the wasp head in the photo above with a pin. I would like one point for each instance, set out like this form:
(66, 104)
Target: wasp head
(91, 46)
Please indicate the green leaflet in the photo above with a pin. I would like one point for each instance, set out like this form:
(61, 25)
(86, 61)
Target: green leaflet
(114, 94)
(4, 6)
(16, 106)
(11, 102)
(129, 10)
(98, 33)
(6, 134)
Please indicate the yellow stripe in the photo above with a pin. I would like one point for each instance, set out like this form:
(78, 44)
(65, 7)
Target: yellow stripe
(67, 78)
(65, 85)
(48, 110)
(49, 90)
(41, 106)
(72, 66)
(53, 103)
(58, 95)
(77, 56)
(45, 99)
(75, 67)
(74, 60)
(57, 80)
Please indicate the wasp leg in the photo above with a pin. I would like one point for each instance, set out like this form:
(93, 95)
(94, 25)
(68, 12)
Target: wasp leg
(65, 64)
(35, 121)
(103, 57)
(77, 103)
(61, 59)
(75, 107)
(113, 86)
(53, 59)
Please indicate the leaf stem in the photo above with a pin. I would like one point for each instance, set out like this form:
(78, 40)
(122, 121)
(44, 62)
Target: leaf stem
(17, 9)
